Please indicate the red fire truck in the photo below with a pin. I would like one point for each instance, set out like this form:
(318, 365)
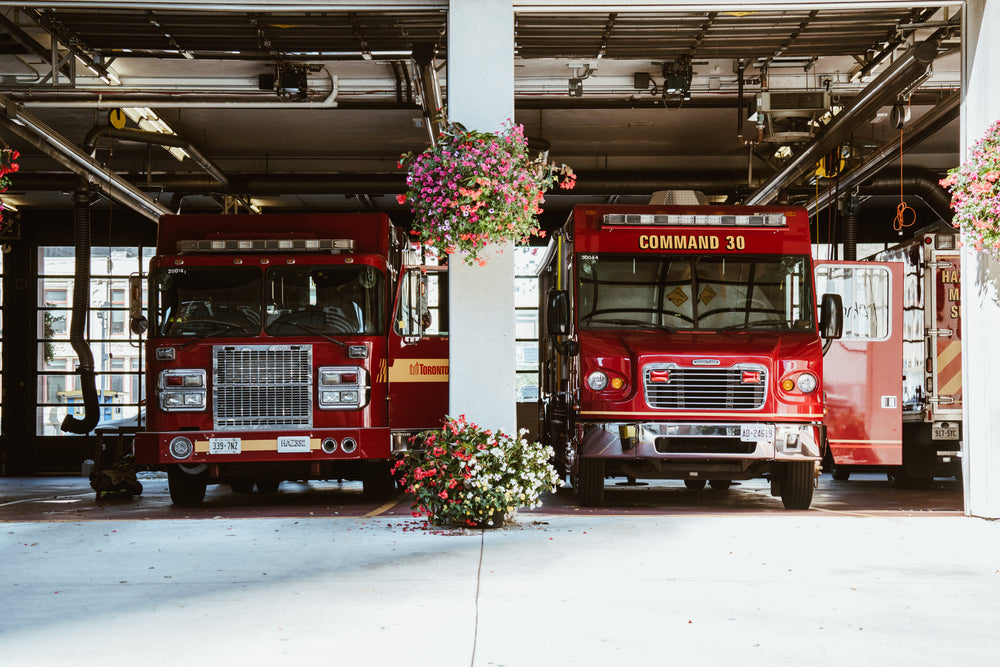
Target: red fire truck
(681, 342)
(894, 380)
(287, 347)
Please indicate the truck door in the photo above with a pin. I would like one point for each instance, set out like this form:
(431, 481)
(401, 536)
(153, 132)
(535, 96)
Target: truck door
(945, 331)
(863, 371)
(417, 371)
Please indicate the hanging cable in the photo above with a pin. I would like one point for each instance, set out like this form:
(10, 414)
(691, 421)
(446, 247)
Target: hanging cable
(905, 215)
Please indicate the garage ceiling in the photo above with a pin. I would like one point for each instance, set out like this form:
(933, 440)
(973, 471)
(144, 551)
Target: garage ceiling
(309, 109)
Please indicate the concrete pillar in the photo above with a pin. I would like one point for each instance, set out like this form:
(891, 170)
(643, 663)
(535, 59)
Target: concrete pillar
(981, 277)
(480, 95)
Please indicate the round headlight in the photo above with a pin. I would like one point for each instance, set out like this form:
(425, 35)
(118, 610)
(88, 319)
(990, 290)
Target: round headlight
(181, 447)
(597, 380)
(807, 383)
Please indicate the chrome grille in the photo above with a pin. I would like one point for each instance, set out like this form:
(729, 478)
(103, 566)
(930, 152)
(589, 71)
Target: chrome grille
(705, 388)
(262, 387)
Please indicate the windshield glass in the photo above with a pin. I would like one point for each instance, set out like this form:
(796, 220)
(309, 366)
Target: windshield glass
(307, 300)
(729, 293)
(207, 301)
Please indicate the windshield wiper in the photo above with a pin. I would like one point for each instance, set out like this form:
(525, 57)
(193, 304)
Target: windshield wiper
(626, 322)
(313, 330)
(758, 323)
(224, 329)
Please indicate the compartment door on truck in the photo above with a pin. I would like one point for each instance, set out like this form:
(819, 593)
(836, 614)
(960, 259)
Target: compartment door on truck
(945, 331)
(863, 371)
(417, 370)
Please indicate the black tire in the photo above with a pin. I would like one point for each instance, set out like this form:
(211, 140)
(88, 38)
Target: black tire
(695, 484)
(720, 484)
(377, 481)
(797, 484)
(186, 490)
(241, 485)
(589, 482)
(840, 473)
(267, 484)
(900, 479)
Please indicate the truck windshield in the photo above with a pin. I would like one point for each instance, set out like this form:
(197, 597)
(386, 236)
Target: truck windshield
(207, 301)
(717, 293)
(309, 300)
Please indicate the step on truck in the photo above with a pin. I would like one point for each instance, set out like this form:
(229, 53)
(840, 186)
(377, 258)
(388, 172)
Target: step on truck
(683, 342)
(894, 380)
(287, 347)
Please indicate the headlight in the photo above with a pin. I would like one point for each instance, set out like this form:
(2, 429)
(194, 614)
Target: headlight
(807, 383)
(182, 389)
(342, 388)
(597, 380)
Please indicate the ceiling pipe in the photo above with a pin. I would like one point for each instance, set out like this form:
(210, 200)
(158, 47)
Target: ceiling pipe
(157, 138)
(57, 147)
(895, 80)
(927, 125)
(588, 183)
(430, 90)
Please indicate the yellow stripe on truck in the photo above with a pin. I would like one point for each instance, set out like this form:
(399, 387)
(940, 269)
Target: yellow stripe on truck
(418, 370)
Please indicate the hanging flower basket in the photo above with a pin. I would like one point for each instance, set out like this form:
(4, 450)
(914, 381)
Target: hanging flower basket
(469, 476)
(975, 193)
(471, 189)
(8, 166)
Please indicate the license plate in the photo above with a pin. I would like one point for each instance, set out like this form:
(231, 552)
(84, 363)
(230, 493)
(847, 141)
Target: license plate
(224, 445)
(944, 433)
(293, 443)
(757, 432)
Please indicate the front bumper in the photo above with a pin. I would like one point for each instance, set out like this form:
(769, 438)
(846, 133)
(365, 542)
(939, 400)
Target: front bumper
(703, 441)
(153, 448)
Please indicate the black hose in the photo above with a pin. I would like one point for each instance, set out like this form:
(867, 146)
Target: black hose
(853, 204)
(82, 198)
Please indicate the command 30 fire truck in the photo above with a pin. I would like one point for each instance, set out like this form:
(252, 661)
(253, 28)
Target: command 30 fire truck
(894, 381)
(287, 347)
(681, 342)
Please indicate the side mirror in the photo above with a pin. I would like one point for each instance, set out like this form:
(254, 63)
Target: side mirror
(557, 313)
(137, 322)
(831, 317)
(557, 319)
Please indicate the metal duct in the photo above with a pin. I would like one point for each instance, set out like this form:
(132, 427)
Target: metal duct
(430, 90)
(82, 199)
(918, 182)
(141, 136)
(57, 147)
(901, 75)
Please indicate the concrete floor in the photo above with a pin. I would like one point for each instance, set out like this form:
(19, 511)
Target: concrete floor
(748, 588)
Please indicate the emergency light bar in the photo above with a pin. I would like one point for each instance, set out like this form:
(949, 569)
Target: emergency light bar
(267, 245)
(720, 220)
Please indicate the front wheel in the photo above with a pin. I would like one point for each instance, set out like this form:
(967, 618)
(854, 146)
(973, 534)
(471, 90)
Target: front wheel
(797, 484)
(589, 482)
(186, 489)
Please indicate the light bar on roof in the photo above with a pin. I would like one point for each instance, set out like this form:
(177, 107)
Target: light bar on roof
(696, 220)
(266, 245)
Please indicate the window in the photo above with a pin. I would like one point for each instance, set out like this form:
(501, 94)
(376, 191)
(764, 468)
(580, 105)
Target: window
(865, 294)
(117, 356)
(526, 263)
